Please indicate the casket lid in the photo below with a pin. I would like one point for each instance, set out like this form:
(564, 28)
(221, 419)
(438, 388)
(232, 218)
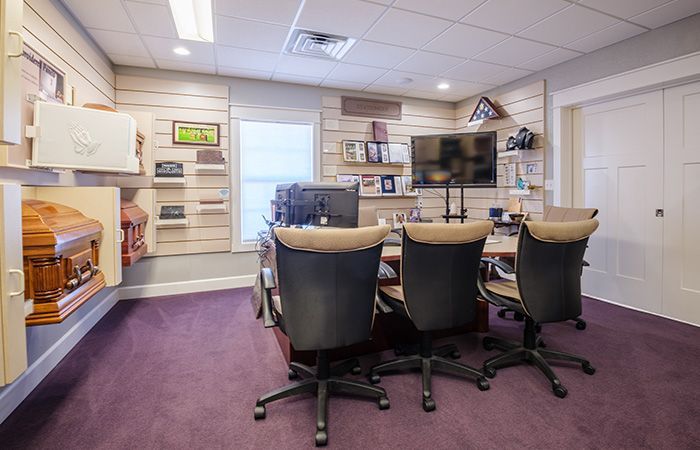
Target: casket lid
(46, 223)
(131, 214)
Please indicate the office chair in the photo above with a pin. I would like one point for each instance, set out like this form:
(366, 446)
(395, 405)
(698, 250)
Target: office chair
(439, 271)
(559, 214)
(327, 286)
(547, 289)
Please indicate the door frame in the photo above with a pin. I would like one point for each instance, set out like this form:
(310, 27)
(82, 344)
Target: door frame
(672, 72)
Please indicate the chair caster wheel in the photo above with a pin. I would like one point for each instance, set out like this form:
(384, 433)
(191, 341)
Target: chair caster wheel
(560, 391)
(488, 345)
(374, 378)
(581, 325)
(489, 372)
(501, 313)
(428, 404)
(259, 412)
(292, 375)
(383, 403)
(356, 370)
(542, 344)
(321, 438)
(455, 355)
(483, 384)
(588, 368)
(538, 328)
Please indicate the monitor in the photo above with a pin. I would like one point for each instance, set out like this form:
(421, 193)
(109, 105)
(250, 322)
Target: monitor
(317, 204)
(466, 159)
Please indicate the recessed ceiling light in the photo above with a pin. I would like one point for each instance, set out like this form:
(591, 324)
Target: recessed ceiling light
(443, 86)
(181, 51)
(404, 80)
(193, 19)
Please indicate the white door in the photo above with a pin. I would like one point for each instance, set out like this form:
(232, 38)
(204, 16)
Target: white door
(618, 155)
(681, 288)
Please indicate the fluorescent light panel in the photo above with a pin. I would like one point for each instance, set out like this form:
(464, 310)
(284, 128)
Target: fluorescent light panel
(193, 19)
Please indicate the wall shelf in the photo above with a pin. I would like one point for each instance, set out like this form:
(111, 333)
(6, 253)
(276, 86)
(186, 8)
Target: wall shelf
(210, 167)
(169, 180)
(211, 207)
(172, 222)
(520, 192)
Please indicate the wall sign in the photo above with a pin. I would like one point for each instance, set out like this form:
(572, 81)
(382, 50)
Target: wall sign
(170, 169)
(196, 133)
(369, 107)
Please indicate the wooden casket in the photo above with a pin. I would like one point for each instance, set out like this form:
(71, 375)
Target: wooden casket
(133, 225)
(61, 259)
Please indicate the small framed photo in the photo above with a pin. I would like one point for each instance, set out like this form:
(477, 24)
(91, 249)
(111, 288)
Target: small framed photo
(196, 133)
(384, 152)
(371, 186)
(354, 151)
(407, 185)
(347, 178)
(399, 219)
(373, 152)
(389, 185)
(531, 168)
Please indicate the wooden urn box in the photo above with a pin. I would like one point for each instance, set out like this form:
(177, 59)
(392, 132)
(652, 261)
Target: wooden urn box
(133, 225)
(61, 259)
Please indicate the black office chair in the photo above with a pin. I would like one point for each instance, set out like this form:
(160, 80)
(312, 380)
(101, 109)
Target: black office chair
(327, 286)
(439, 271)
(547, 289)
(559, 214)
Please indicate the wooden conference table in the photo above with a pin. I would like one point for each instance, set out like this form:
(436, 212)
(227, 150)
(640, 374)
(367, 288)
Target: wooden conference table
(390, 330)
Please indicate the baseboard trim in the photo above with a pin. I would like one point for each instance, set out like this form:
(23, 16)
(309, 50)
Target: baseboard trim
(185, 287)
(622, 305)
(13, 394)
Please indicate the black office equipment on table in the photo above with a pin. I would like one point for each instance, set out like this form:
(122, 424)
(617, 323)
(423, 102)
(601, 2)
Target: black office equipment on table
(317, 204)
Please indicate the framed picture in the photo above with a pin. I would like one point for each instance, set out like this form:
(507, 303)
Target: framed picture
(373, 152)
(384, 152)
(399, 219)
(407, 185)
(44, 79)
(354, 151)
(371, 186)
(388, 185)
(196, 133)
(347, 178)
(531, 168)
(396, 152)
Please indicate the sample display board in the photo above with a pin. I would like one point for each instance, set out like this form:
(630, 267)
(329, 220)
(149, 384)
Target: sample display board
(206, 229)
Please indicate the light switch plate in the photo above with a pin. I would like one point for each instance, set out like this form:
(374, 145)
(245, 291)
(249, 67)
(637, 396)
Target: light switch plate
(548, 185)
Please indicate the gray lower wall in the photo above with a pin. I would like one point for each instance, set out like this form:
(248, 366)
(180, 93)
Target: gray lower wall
(664, 43)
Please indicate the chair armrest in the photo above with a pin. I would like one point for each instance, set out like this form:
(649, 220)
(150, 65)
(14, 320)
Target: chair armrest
(382, 306)
(500, 264)
(385, 271)
(267, 280)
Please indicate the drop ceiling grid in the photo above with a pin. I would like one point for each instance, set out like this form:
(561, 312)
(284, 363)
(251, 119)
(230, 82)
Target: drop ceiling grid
(250, 38)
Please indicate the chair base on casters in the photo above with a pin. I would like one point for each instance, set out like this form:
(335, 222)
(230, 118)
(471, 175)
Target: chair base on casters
(519, 317)
(530, 351)
(322, 382)
(429, 360)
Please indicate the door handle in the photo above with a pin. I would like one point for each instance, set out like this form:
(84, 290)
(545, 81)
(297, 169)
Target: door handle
(18, 53)
(121, 235)
(21, 281)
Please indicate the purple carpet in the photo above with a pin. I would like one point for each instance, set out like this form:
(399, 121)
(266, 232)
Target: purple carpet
(184, 372)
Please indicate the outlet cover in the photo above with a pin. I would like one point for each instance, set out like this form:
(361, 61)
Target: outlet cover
(548, 185)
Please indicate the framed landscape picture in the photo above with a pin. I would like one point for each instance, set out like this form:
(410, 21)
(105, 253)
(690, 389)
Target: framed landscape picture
(196, 133)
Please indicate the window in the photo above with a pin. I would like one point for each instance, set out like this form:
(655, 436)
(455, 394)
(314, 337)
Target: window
(271, 153)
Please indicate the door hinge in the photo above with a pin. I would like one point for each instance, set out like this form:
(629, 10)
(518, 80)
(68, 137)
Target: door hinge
(659, 213)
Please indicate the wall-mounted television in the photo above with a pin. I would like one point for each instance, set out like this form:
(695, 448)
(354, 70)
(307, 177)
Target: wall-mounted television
(464, 159)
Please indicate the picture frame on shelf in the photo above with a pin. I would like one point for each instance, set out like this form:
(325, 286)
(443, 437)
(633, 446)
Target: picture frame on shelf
(193, 133)
(172, 212)
(371, 186)
(169, 170)
(531, 168)
(384, 152)
(373, 152)
(396, 153)
(399, 219)
(399, 184)
(354, 151)
(379, 129)
(388, 185)
(407, 186)
(347, 178)
(406, 154)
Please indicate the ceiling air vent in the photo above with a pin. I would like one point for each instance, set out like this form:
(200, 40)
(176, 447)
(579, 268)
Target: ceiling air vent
(318, 45)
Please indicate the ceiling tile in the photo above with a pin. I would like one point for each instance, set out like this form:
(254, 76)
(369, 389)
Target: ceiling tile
(406, 28)
(249, 34)
(511, 16)
(242, 58)
(549, 59)
(423, 94)
(473, 71)
(302, 66)
(465, 41)
(603, 38)
(162, 48)
(344, 17)
(447, 9)
(389, 90)
(514, 51)
(377, 55)
(452, 98)
(312, 81)
(184, 66)
(395, 78)
(137, 61)
(568, 25)
(275, 11)
(623, 8)
(244, 73)
(509, 75)
(356, 73)
(464, 88)
(105, 14)
(349, 85)
(670, 12)
(119, 43)
(152, 20)
(428, 63)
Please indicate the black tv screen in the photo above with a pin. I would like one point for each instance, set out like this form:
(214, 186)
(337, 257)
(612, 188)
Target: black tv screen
(466, 159)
